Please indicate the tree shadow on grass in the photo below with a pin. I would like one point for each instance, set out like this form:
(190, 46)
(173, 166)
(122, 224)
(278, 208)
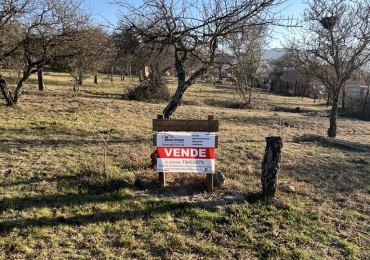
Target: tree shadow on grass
(253, 197)
(89, 191)
(151, 210)
(147, 208)
(266, 121)
(99, 95)
(330, 172)
(192, 190)
(35, 179)
(226, 104)
(9, 144)
(84, 191)
(174, 187)
(332, 175)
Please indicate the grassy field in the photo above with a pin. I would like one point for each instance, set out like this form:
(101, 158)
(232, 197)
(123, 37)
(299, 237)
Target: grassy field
(68, 164)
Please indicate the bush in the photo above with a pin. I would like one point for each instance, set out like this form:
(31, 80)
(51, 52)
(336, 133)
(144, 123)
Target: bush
(152, 89)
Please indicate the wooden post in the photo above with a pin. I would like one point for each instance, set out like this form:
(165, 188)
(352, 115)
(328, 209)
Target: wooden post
(161, 175)
(40, 79)
(209, 182)
(162, 179)
(209, 177)
(271, 166)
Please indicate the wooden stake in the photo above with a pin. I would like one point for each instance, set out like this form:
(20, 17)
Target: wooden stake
(209, 182)
(162, 179)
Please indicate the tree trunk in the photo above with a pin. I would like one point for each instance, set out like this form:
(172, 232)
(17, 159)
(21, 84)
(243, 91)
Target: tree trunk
(182, 86)
(343, 99)
(365, 103)
(295, 87)
(13, 100)
(18, 91)
(304, 90)
(40, 80)
(271, 166)
(332, 131)
(80, 78)
(250, 95)
(328, 99)
(6, 93)
(95, 79)
(272, 86)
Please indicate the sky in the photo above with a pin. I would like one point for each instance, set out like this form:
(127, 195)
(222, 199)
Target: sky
(292, 9)
(103, 11)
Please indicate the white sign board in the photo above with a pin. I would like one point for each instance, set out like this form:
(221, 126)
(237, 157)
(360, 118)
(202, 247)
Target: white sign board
(186, 139)
(189, 152)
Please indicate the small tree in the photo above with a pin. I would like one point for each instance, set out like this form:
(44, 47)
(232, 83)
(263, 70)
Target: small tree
(334, 43)
(247, 47)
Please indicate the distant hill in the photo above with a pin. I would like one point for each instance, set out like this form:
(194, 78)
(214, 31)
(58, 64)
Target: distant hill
(272, 53)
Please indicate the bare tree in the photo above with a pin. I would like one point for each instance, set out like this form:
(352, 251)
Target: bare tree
(192, 28)
(131, 49)
(36, 32)
(91, 52)
(335, 41)
(246, 48)
(10, 12)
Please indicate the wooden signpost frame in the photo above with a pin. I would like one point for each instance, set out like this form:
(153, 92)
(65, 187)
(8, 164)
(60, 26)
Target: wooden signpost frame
(185, 125)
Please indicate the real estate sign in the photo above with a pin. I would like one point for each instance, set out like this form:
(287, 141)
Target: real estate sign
(188, 152)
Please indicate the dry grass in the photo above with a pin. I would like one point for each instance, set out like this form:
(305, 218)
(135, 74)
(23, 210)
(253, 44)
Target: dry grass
(69, 161)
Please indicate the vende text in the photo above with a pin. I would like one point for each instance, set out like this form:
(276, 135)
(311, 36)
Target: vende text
(185, 152)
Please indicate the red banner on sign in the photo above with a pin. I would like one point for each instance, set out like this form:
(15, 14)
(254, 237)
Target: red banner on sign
(186, 152)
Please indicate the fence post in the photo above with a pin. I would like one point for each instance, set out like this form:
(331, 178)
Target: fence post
(271, 166)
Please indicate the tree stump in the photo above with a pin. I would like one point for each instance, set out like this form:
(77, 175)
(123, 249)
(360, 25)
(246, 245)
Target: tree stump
(271, 166)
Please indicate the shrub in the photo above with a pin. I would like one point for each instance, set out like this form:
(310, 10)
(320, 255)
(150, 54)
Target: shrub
(151, 89)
